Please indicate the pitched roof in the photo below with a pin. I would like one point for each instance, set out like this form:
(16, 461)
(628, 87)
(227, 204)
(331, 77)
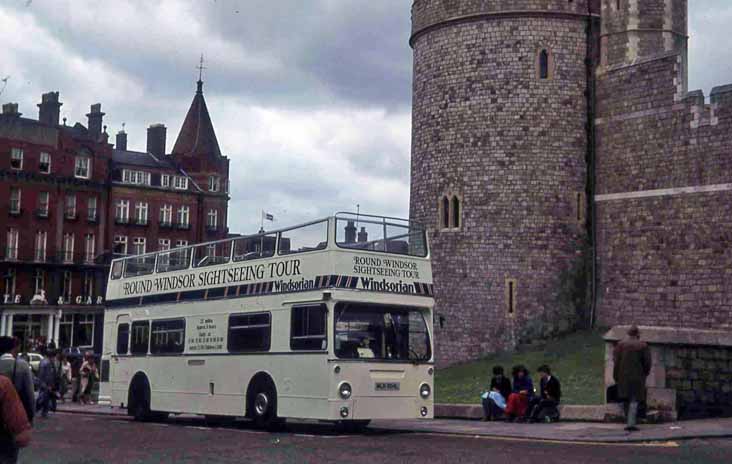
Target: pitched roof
(197, 136)
(139, 158)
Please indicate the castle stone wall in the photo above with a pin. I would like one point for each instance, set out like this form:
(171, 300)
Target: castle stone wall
(512, 147)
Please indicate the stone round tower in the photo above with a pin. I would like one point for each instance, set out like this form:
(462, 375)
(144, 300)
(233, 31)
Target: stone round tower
(499, 149)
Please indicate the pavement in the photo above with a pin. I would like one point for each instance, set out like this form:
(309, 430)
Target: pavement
(564, 431)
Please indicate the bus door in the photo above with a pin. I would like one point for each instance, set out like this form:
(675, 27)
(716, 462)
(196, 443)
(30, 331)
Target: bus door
(120, 369)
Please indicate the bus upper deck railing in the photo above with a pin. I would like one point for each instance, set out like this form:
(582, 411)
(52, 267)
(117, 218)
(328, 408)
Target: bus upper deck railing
(351, 231)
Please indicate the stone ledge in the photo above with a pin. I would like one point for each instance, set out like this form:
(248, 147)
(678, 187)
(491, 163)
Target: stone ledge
(569, 412)
(673, 336)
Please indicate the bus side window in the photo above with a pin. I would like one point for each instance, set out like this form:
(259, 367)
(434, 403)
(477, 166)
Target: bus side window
(123, 338)
(249, 332)
(168, 336)
(140, 337)
(307, 328)
(117, 269)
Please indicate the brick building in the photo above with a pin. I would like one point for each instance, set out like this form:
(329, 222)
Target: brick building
(73, 202)
(525, 108)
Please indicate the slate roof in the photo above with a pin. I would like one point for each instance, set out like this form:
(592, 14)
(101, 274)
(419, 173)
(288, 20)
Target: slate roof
(197, 136)
(142, 159)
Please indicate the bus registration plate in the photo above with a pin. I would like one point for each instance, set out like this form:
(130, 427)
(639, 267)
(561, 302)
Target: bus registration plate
(387, 386)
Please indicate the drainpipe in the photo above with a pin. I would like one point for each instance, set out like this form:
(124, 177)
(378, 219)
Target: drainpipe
(590, 94)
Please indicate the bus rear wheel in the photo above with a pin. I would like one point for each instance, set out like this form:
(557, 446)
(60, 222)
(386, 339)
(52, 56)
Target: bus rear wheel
(263, 406)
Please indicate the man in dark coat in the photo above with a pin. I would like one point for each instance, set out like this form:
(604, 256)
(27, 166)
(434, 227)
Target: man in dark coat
(19, 372)
(632, 365)
(546, 406)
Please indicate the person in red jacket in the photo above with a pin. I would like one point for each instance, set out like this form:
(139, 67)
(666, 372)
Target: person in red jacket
(15, 430)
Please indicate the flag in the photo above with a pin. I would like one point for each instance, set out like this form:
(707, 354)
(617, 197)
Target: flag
(269, 216)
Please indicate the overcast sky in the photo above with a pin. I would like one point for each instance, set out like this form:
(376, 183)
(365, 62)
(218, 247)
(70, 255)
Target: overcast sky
(311, 100)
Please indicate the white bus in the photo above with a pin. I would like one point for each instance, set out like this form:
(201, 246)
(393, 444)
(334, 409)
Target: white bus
(330, 320)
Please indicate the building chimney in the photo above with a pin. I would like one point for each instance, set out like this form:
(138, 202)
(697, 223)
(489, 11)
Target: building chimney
(10, 109)
(363, 236)
(121, 142)
(156, 134)
(95, 120)
(350, 232)
(49, 108)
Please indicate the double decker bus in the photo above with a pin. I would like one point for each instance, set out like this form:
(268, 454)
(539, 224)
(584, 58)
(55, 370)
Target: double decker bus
(330, 320)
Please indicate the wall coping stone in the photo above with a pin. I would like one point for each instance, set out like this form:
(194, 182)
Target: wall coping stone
(722, 89)
(673, 336)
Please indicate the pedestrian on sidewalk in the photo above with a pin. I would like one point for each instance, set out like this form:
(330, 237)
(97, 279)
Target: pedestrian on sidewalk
(546, 406)
(15, 430)
(494, 400)
(19, 373)
(632, 365)
(89, 375)
(522, 393)
(47, 378)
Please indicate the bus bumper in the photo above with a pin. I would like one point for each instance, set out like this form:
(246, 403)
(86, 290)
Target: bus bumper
(379, 407)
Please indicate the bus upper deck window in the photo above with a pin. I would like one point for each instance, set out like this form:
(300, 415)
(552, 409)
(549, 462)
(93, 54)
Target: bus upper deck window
(117, 269)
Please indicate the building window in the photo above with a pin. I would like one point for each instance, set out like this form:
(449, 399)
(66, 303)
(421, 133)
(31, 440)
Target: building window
(141, 213)
(39, 281)
(181, 243)
(249, 332)
(579, 206)
(14, 200)
(91, 209)
(66, 331)
(43, 204)
(307, 328)
(88, 288)
(511, 294)
(68, 253)
(135, 177)
(120, 245)
(11, 249)
(44, 165)
(89, 251)
(544, 65)
(184, 213)
(166, 214)
(214, 183)
(82, 168)
(450, 212)
(123, 338)
(66, 286)
(9, 281)
(167, 337)
(138, 246)
(70, 207)
(180, 183)
(140, 337)
(212, 219)
(16, 158)
(41, 239)
(164, 244)
(165, 180)
(122, 211)
(85, 334)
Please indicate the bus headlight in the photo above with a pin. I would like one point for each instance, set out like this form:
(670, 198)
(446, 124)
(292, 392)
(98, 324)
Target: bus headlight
(424, 391)
(345, 391)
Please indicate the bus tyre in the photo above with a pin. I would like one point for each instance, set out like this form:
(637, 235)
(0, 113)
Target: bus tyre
(263, 406)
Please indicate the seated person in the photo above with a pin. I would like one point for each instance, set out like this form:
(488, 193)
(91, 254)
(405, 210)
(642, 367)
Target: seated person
(365, 351)
(521, 393)
(494, 400)
(545, 406)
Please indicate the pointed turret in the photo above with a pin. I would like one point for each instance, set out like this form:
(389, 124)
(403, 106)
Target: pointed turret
(197, 136)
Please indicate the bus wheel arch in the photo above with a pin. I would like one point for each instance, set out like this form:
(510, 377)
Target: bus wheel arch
(261, 404)
(138, 397)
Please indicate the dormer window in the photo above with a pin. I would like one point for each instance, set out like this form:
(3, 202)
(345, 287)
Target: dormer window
(180, 183)
(82, 167)
(214, 184)
(135, 177)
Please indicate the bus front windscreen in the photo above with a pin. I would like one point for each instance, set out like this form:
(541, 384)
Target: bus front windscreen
(377, 332)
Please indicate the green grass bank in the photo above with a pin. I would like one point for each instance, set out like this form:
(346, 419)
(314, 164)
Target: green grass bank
(578, 360)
